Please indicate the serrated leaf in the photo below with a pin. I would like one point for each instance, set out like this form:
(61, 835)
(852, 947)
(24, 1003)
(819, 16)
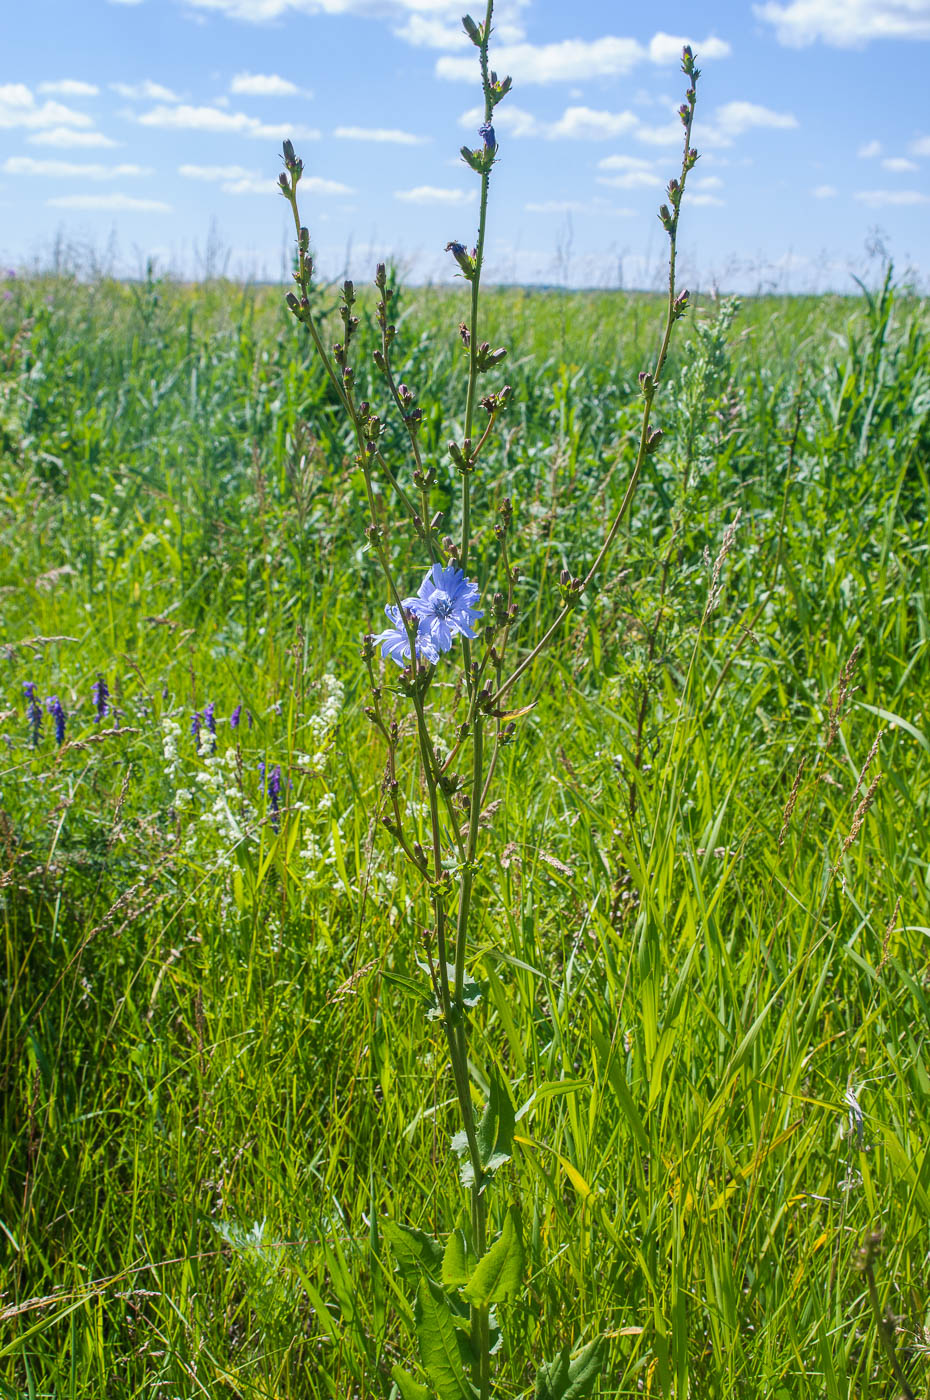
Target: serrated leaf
(497, 1276)
(439, 1344)
(567, 1379)
(416, 1253)
(409, 1388)
(495, 1131)
(454, 1265)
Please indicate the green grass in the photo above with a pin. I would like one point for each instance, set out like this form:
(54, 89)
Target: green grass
(216, 1083)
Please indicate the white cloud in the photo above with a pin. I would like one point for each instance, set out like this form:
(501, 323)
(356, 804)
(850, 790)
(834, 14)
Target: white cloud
(146, 91)
(387, 135)
(186, 118)
(575, 123)
(509, 120)
(65, 170)
(846, 23)
(218, 172)
(624, 163)
(428, 32)
(666, 48)
(825, 192)
(584, 124)
(70, 87)
(265, 185)
(18, 108)
(705, 182)
(920, 147)
(597, 207)
(877, 198)
(579, 60)
(668, 134)
(430, 194)
(899, 165)
(571, 60)
(870, 150)
(263, 85)
(66, 136)
(632, 180)
(111, 202)
(705, 199)
(735, 118)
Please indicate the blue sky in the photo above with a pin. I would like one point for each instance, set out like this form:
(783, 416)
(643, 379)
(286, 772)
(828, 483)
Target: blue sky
(153, 128)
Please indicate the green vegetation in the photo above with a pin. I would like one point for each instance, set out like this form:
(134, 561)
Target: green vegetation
(701, 919)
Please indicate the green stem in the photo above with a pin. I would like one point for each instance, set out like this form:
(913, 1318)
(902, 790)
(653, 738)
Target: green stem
(475, 288)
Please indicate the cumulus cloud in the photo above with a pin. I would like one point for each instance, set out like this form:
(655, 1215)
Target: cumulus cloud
(69, 87)
(146, 91)
(845, 23)
(666, 48)
(65, 137)
(575, 123)
(66, 170)
(387, 135)
(870, 150)
(825, 192)
(584, 124)
(578, 60)
(218, 172)
(18, 107)
(263, 85)
(264, 184)
(878, 198)
(705, 182)
(735, 118)
(113, 202)
(598, 207)
(215, 119)
(705, 199)
(570, 60)
(899, 165)
(632, 180)
(432, 194)
(920, 147)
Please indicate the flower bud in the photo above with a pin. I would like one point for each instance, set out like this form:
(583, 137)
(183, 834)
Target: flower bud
(472, 29)
(284, 183)
(653, 440)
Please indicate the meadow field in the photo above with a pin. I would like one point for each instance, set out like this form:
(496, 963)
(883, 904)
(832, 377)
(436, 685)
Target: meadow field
(701, 928)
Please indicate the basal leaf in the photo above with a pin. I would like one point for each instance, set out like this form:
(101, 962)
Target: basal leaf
(568, 1379)
(416, 1253)
(454, 1261)
(495, 1131)
(409, 1388)
(497, 1276)
(439, 1344)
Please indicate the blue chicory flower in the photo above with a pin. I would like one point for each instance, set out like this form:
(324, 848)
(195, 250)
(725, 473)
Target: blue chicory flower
(486, 132)
(445, 605)
(33, 712)
(54, 707)
(395, 642)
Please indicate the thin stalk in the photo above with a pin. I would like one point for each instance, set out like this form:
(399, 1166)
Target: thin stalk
(475, 287)
(650, 387)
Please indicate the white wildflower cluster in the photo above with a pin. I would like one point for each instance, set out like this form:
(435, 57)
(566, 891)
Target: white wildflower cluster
(225, 817)
(170, 733)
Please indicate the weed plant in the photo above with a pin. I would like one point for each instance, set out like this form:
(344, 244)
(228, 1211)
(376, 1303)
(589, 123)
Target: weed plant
(701, 934)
